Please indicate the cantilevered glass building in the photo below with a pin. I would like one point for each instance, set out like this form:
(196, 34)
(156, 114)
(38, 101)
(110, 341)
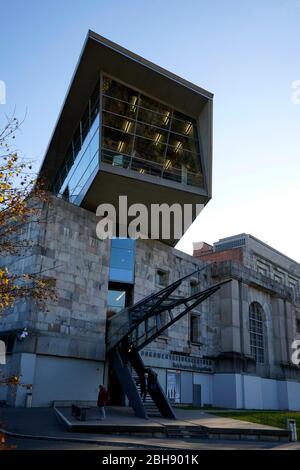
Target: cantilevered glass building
(129, 127)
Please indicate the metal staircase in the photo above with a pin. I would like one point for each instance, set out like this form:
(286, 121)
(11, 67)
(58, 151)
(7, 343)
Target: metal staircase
(149, 405)
(131, 329)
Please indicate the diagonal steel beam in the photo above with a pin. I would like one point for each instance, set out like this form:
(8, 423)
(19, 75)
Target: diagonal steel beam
(205, 295)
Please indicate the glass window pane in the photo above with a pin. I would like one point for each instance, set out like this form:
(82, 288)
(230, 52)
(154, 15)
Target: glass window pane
(148, 150)
(116, 140)
(120, 108)
(117, 90)
(122, 260)
(153, 105)
(156, 135)
(85, 123)
(256, 331)
(161, 120)
(118, 122)
(116, 301)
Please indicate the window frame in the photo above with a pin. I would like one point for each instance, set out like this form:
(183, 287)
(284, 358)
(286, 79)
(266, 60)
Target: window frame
(257, 339)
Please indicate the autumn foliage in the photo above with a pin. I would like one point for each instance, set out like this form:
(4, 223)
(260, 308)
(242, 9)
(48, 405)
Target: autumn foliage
(21, 202)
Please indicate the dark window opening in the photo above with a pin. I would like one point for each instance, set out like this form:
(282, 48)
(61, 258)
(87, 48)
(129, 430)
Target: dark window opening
(195, 329)
(9, 341)
(162, 278)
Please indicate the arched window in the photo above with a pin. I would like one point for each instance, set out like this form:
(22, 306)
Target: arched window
(256, 330)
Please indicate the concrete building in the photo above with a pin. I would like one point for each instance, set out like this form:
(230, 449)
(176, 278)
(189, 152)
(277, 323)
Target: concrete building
(260, 321)
(129, 127)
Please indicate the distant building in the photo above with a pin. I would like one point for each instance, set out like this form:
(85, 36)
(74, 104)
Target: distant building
(259, 321)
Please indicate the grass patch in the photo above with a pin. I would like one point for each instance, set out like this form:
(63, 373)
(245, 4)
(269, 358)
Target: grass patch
(278, 419)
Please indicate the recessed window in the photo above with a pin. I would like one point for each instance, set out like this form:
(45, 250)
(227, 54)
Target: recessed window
(162, 278)
(195, 329)
(9, 341)
(256, 330)
(116, 301)
(298, 325)
(194, 287)
(262, 268)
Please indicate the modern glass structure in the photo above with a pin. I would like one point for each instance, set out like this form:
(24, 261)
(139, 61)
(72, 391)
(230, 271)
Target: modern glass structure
(137, 133)
(144, 135)
(129, 127)
(82, 156)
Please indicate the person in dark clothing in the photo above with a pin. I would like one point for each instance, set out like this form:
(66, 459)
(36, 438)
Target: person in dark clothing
(103, 398)
(144, 386)
(152, 380)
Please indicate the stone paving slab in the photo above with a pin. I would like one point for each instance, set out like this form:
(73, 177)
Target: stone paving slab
(200, 418)
(121, 420)
(125, 416)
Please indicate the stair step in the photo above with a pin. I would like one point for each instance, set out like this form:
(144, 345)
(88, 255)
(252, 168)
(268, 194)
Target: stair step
(149, 404)
(184, 432)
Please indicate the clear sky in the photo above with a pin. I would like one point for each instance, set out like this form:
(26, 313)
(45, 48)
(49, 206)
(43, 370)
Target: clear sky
(247, 52)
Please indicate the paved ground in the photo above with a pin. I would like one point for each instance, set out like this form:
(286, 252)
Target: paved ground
(43, 422)
(125, 416)
(36, 444)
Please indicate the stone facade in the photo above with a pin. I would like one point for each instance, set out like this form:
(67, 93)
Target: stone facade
(65, 248)
(255, 278)
(63, 356)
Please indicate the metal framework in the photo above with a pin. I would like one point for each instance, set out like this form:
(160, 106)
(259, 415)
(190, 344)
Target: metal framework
(143, 322)
(134, 327)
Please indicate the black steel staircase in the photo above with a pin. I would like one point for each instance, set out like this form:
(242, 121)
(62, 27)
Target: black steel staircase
(131, 329)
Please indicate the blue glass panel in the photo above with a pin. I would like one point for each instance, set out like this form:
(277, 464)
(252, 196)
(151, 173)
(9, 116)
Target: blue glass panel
(122, 260)
(121, 275)
(123, 243)
(85, 163)
(116, 298)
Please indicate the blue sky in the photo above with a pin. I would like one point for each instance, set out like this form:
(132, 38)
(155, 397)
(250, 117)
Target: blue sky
(247, 52)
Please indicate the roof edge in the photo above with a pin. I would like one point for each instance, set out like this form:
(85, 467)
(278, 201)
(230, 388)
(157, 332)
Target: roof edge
(146, 63)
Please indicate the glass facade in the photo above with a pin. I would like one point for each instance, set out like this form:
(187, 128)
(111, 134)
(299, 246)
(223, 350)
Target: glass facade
(122, 260)
(82, 157)
(137, 133)
(146, 136)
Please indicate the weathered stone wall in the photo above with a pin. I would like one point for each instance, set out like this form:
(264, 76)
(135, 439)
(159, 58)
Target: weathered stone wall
(152, 255)
(68, 250)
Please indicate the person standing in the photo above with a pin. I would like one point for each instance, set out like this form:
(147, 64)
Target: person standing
(103, 398)
(152, 380)
(144, 386)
